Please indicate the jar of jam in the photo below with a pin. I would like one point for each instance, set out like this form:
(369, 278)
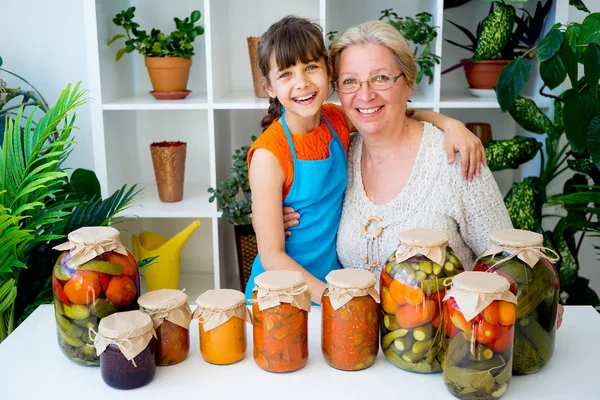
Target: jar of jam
(350, 319)
(412, 289)
(95, 276)
(520, 257)
(125, 343)
(171, 315)
(222, 316)
(280, 306)
(479, 311)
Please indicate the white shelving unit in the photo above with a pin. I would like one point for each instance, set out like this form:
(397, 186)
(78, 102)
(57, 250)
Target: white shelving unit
(221, 113)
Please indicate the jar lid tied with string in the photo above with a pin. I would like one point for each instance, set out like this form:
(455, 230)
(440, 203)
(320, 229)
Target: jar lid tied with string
(412, 289)
(522, 257)
(171, 316)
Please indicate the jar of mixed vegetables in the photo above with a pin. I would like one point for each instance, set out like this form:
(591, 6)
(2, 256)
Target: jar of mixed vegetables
(95, 276)
(171, 315)
(280, 306)
(520, 257)
(412, 290)
(222, 315)
(480, 311)
(350, 319)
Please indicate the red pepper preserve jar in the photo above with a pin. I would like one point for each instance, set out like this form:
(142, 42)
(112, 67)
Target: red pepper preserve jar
(171, 315)
(95, 276)
(350, 319)
(479, 310)
(520, 257)
(280, 306)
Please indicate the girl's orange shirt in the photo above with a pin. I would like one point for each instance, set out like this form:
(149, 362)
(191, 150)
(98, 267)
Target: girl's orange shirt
(309, 146)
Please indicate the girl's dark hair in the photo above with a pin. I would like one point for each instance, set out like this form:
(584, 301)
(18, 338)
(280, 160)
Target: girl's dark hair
(292, 39)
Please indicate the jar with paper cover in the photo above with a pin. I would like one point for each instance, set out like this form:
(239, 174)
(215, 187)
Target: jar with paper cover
(95, 276)
(520, 257)
(350, 319)
(412, 289)
(126, 342)
(478, 352)
(280, 306)
(171, 316)
(222, 316)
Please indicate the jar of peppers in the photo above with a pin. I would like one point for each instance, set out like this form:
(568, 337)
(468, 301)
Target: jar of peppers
(280, 306)
(350, 319)
(222, 316)
(94, 276)
(520, 257)
(171, 315)
(480, 314)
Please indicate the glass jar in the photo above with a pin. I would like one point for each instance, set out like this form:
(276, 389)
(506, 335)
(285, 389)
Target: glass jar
(95, 276)
(520, 257)
(171, 315)
(280, 305)
(478, 355)
(222, 316)
(412, 290)
(350, 319)
(126, 342)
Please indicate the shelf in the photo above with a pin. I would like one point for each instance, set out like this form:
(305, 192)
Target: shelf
(241, 101)
(194, 283)
(464, 99)
(146, 102)
(194, 204)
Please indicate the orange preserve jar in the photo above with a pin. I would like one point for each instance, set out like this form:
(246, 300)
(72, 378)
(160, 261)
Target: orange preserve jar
(350, 319)
(480, 310)
(280, 306)
(171, 316)
(222, 315)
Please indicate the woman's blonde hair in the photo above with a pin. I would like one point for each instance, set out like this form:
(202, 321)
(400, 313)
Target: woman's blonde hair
(376, 32)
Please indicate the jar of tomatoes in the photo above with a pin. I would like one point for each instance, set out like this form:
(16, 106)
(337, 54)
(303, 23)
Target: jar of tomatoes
(280, 306)
(479, 310)
(222, 316)
(350, 319)
(520, 257)
(171, 315)
(412, 289)
(95, 276)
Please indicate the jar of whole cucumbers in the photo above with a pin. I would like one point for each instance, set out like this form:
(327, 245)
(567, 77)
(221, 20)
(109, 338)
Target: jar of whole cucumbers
(480, 310)
(412, 290)
(520, 257)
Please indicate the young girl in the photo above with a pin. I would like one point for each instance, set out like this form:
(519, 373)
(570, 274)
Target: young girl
(301, 156)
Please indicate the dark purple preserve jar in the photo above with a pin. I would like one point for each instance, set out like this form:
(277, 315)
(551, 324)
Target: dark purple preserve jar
(126, 342)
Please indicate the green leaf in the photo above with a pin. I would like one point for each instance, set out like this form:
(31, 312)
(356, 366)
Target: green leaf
(195, 17)
(549, 45)
(524, 204)
(578, 4)
(553, 71)
(591, 67)
(512, 80)
(564, 240)
(120, 54)
(569, 59)
(559, 107)
(85, 184)
(116, 37)
(590, 29)
(510, 153)
(1, 61)
(496, 29)
(577, 115)
(593, 140)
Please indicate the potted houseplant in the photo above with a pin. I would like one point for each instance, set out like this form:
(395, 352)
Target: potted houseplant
(167, 57)
(501, 37)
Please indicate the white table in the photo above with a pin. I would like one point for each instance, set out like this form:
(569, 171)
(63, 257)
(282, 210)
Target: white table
(33, 367)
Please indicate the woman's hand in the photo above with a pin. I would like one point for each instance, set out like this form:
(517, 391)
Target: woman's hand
(472, 154)
(290, 218)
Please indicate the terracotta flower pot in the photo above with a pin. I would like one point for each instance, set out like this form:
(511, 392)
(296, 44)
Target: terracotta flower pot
(482, 130)
(484, 74)
(259, 90)
(168, 74)
(168, 159)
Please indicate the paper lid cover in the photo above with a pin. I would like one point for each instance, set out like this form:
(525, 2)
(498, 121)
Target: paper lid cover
(90, 241)
(516, 238)
(525, 245)
(167, 304)
(217, 306)
(430, 243)
(424, 236)
(281, 286)
(345, 284)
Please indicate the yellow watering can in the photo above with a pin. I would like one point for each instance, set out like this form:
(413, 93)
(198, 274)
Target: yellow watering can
(164, 273)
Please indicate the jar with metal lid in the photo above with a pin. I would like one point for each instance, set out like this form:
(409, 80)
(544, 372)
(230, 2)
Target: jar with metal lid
(412, 289)
(222, 316)
(95, 276)
(520, 257)
(480, 310)
(280, 306)
(350, 319)
(125, 343)
(171, 316)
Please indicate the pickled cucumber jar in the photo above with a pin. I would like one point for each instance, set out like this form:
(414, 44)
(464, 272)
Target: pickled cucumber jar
(280, 306)
(171, 316)
(480, 310)
(412, 289)
(95, 276)
(222, 316)
(520, 257)
(126, 342)
(350, 319)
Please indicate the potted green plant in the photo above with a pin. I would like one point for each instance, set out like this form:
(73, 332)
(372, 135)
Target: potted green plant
(167, 57)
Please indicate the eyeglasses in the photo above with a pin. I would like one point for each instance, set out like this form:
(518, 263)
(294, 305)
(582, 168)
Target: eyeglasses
(376, 82)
